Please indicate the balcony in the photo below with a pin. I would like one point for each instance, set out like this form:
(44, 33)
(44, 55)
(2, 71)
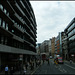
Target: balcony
(6, 17)
(7, 5)
(19, 9)
(5, 32)
(18, 18)
(18, 28)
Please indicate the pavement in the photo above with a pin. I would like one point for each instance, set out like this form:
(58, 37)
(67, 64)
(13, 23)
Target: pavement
(29, 71)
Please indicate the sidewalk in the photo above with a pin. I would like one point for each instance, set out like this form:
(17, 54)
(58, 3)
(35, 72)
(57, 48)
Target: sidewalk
(69, 61)
(27, 72)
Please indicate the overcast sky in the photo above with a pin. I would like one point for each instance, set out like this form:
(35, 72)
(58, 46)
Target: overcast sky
(52, 17)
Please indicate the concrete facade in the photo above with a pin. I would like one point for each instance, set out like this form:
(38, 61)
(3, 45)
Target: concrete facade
(53, 46)
(17, 32)
(70, 32)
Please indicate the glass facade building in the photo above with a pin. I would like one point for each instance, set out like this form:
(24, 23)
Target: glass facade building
(70, 31)
(17, 30)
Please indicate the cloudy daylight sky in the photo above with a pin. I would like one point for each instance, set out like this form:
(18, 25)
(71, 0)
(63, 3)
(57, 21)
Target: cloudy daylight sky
(52, 17)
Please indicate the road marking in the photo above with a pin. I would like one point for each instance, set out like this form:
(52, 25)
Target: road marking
(35, 69)
(64, 70)
(45, 71)
(69, 66)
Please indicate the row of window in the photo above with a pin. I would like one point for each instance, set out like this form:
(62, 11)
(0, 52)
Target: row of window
(3, 24)
(5, 41)
(72, 50)
(21, 26)
(4, 10)
(71, 33)
(71, 45)
(72, 38)
(72, 26)
(6, 25)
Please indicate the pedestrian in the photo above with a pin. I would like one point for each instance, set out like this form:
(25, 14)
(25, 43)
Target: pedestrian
(6, 70)
(70, 61)
(24, 70)
(48, 61)
(36, 63)
(26, 64)
(31, 64)
(43, 61)
(11, 71)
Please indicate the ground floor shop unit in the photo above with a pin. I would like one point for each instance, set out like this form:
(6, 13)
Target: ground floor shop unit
(14, 57)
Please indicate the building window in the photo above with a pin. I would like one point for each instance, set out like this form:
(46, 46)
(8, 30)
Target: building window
(1, 7)
(0, 21)
(5, 11)
(2, 39)
(3, 24)
(5, 40)
(12, 31)
(20, 26)
(8, 14)
(6, 26)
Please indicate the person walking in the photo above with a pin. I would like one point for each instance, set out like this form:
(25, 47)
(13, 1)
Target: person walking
(6, 70)
(11, 71)
(70, 61)
(24, 70)
(26, 64)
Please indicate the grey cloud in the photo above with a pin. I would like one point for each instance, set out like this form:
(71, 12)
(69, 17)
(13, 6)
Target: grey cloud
(52, 17)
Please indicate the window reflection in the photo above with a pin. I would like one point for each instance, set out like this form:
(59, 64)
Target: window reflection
(3, 24)
(0, 21)
(5, 11)
(6, 26)
(1, 7)
(72, 26)
(71, 33)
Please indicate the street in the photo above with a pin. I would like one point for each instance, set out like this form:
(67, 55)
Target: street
(52, 68)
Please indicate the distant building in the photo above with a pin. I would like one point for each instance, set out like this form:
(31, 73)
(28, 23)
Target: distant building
(64, 46)
(45, 47)
(59, 44)
(70, 32)
(50, 47)
(38, 48)
(53, 46)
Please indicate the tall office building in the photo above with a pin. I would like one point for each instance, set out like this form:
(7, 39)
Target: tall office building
(53, 46)
(59, 44)
(70, 32)
(17, 31)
